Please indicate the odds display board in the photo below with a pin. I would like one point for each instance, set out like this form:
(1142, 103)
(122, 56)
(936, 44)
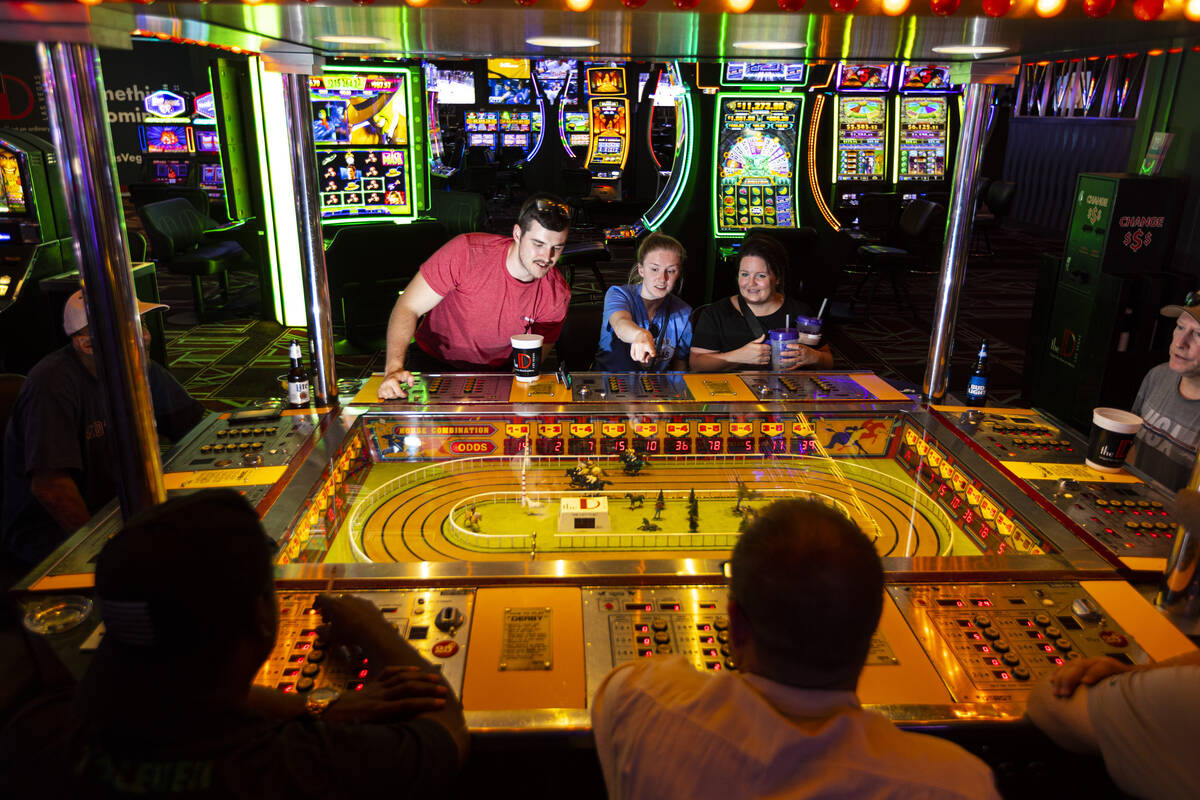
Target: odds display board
(370, 164)
(757, 148)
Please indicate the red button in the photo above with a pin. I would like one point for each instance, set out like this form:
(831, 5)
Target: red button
(445, 648)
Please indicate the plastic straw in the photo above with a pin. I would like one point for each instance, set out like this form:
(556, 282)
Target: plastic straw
(824, 303)
(787, 321)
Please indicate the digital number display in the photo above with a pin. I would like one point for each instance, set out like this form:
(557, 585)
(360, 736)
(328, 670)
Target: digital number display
(513, 447)
(549, 447)
(772, 444)
(645, 445)
(739, 445)
(803, 446)
(710, 445)
(610, 446)
(581, 447)
(678, 445)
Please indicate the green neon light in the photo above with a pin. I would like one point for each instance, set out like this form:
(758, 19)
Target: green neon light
(846, 37)
(721, 39)
(260, 136)
(810, 33)
(224, 191)
(680, 174)
(799, 132)
(910, 40)
(418, 158)
(290, 306)
(896, 139)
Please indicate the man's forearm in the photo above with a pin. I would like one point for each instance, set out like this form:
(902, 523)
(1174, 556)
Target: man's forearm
(402, 324)
(59, 495)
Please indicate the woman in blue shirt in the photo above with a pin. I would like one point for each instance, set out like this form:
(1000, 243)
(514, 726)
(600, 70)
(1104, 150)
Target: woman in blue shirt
(646, 326)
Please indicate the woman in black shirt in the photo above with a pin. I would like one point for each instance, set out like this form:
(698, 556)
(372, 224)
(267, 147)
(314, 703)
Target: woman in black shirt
(723, 339)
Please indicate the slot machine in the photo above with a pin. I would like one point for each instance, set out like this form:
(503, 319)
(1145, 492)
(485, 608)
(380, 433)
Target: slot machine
(927, 118)
(371, 163)
(481, 128)
(210, 175)
(516, 130)
(608, 117)
(757, 147)
(860, 125)
(168, 139)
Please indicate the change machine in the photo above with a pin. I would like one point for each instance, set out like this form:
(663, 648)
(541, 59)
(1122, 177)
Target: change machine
(1093, 335)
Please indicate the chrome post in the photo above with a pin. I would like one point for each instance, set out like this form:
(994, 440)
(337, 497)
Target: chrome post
(79, 127)
(959, 218)
(312, 245)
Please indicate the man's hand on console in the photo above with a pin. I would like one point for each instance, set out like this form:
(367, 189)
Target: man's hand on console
(399, 692)
(1085, 671)
(395, 385)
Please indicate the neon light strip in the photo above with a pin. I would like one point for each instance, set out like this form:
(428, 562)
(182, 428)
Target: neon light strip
(680, 171)
(813, 181)
(541, 130)
(260, 133)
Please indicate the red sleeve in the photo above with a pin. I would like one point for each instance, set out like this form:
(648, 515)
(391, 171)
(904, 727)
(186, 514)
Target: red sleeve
(441, 270)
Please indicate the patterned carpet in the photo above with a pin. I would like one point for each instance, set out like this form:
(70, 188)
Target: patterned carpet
(237, 362)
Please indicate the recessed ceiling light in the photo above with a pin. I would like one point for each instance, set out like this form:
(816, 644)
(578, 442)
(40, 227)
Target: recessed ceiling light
(561, 41)
(970, 49)
(334, 39)
(763, 45)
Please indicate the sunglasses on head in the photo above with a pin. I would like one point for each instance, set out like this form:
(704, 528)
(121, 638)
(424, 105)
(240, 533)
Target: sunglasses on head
(1192, 299)
(543, 204)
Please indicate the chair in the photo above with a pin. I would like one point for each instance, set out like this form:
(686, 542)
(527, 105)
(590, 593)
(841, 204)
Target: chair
(368, 266)
(917, 240)
(185, 242)
(585, 254)
(460, 212)
(143, 194)
(576, 345)
(10, 387)
(996, 202)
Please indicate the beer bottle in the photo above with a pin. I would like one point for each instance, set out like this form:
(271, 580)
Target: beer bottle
(977, 384)
(297, 379)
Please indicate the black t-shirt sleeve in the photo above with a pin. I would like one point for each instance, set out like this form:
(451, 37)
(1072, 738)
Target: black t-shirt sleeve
(51, 423)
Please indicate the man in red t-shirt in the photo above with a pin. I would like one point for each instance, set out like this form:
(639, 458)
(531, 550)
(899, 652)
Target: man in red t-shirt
(476, 292)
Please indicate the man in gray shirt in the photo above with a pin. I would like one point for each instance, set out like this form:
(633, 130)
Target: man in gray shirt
(1169, 402)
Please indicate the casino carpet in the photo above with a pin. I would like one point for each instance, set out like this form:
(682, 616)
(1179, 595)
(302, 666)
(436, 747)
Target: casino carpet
(236, 362)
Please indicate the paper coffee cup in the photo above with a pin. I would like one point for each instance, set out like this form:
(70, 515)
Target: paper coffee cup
(527, 356)
(779, 338)
(1113, 431)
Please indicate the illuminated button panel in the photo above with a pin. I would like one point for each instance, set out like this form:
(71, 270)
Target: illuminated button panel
(991, 642)
(437, 622)
(234, 445)
(802, 386)
(1129, 519)
(621, 624)
(624, 386)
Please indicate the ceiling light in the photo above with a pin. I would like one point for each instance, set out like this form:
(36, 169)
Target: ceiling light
(561, 41)
(970, 49)
(335, 39)
(765, 45)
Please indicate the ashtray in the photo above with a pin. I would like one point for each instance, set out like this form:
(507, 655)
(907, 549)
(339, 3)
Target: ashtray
(56, 614)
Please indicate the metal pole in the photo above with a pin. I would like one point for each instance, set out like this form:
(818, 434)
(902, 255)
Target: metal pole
(312, 245)
(79, 127)
(959, 218)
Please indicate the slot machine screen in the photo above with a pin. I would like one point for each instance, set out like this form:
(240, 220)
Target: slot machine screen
(479, 121)
(207, 141)
(515, 121)
(576, 122)
(757, 148)
(605, 80)
(170, 171)
(515, 140)
(359, 110)
(455, 87)
(861, 138)
(362, 182)
(758, 72)
(482, 140)
(509, 82)
(14, 197)
(555, 79)
(167, 139)
(609, 132)
(926, 78)
(922, 140)
(211, 176)
(365, 166)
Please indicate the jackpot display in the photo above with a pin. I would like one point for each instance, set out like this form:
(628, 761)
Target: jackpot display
(609, 144)
(757, 147)
(362, 128)
(921, 143)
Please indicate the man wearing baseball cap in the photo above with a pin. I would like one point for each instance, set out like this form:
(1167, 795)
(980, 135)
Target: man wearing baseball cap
(58, 464)
(1169, 403)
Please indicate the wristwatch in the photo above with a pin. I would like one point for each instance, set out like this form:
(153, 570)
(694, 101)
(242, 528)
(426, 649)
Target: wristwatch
(320, 699)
